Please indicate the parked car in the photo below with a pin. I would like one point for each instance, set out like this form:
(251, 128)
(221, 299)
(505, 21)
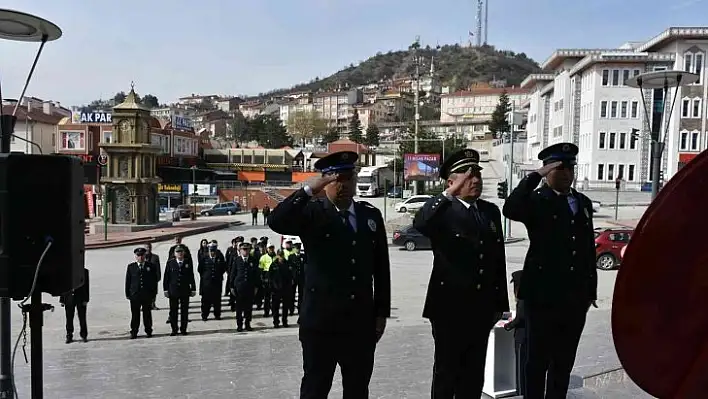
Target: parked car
(411, 239)
(184, 211)
(224, 208)
(395, 192)
(294, 239)
(609, 243)
(596, 206)
(412, 203)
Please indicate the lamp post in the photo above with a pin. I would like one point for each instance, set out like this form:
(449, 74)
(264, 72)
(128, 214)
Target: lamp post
(18, 26)
(661, 80)
(194, 192)
(457, 124)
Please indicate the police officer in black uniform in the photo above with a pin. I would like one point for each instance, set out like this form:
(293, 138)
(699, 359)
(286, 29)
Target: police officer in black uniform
(140, 290)
(560, 279)
(211, 277)
(348, 284)
(245, 279)
(281, 287)
(179, 285)
(297, 264)
(467, 291)
(76, 301)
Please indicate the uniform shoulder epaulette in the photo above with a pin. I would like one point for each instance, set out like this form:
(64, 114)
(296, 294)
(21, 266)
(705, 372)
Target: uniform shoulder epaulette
(367, 204)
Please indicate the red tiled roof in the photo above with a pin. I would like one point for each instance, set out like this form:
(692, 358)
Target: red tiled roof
(36, 115)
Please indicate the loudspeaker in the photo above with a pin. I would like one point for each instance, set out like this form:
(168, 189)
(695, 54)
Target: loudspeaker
(41, 200)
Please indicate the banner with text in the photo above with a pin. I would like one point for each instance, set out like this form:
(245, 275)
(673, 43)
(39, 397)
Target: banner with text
(421, 166)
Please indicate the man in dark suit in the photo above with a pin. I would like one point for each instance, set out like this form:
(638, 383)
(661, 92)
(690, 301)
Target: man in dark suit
(467, 291)
(245, 278)
(76, 301)
(140, 289)
(348, 283)
(187, 254)
(560, 279)
(150, 257)
(178, 285)
(211, 277)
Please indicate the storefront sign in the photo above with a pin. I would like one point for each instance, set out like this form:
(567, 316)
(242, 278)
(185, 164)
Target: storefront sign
(169, 188)
(205, 190)
(91, 117)
(84, 157)
(182, 123)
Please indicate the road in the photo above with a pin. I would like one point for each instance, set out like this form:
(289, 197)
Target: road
(216, 362)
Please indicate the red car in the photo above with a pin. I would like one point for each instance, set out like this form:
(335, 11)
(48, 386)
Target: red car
(608, 246)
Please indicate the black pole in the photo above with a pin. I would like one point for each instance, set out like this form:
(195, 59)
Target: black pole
(36, 310)
(7, 388)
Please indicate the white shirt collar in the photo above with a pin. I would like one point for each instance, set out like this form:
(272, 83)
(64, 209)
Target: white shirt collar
(350, 209)
(467, 204)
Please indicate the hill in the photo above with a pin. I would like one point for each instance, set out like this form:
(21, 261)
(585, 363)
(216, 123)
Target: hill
(455, 65)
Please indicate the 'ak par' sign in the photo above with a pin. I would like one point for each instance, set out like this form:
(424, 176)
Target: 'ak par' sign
(91, 117)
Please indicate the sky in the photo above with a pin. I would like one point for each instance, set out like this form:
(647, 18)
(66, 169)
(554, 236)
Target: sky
(174, 48)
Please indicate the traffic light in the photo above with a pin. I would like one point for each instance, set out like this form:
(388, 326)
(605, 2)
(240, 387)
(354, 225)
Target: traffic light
(41, 202)
(634, 135)
(194, 191)
(502, 189)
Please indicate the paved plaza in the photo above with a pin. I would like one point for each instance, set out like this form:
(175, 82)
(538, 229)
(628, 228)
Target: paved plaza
(216, 362)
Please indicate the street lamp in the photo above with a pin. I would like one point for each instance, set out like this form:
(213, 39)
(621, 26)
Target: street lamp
(660, 80)
(194, 192)
(22, 27)
(457, 124)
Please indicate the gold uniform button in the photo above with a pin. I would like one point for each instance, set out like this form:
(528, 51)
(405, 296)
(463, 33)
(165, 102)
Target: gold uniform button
(481, 271)
(353, 261)
(353, 242)
(571, 268)
(574, 252)
(481, 242)
(442, 283)
(479, 286)
(352, 297)
(573, 238)
(481, 256)
(572, 222)
(353, 278)
(555, 216)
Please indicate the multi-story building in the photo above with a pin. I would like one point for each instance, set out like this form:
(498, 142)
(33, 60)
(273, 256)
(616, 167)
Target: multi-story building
(371, 113)
(585, 101)
(251, 109)
(35, 129)
(228, 104)
(475, 106)
(399, 105)
(198, 100)
(289, 108)
(337, 107)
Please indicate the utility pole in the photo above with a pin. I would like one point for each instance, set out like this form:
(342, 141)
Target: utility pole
(416, 98)
(511, 160)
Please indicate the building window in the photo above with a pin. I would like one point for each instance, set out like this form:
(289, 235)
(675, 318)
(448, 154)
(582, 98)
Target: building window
(683, 141)
(630, 172)
(634, 113)
(615, 77)
(623, 141)
(613, 136)
(633, 143)
(602, 140)
(620, 171)
(613, 109)
(603, 109)
(688, 62)
(693, 62)
(610, 172)
(107, 137)
(636, 72)
(623, 109)
(685, 108)
(605, 77)
(696, 108)
(600, 172)
(72, 141)
(694, 141)
(625, 76)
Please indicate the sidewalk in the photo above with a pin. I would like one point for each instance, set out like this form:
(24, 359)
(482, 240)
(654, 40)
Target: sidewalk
(187, 228)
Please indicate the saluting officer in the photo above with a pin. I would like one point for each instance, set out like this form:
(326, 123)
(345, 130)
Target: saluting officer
(245, 279)
(560, 279)
(140, 290)
(467, 291)
(348, 283)
(211, 276)
(179, 285)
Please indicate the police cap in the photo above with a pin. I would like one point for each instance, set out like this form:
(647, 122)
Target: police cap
(212, 246)
(140, 251)
(561, 152)
(179, 248)
(337, 162)
(460, 162)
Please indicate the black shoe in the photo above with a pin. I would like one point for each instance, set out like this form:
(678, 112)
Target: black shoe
(133, 336)
(173, 334)
(266, 314)
(84, 339)
(204, 318)
(148, 334)
(286, 325)
(69, 339)
(185, 333)
(239, 329)
(276, 325)
(168, 321)
(217, 317)
(248, 327)
(292, 313)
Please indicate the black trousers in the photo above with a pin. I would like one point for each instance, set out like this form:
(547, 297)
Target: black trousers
(179, 304)
(244, 306)
(70, 307)
(552, 337)
(322, 351)
(520, 349)
(300, 293)
(282, 300)
(263, 298)
(254, 219)
(138, 306)
(460, 353)
(211, 300)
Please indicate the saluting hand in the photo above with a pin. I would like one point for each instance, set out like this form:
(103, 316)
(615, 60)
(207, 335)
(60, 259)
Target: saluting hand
(320, 183)
(460, 180)
(546, 169)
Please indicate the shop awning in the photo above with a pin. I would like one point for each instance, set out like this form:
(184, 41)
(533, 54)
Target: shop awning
(241, 166)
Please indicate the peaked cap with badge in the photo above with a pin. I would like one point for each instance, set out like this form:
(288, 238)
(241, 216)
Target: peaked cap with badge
(337, 161)
(459, 162)
(561, 152)
(140, 251)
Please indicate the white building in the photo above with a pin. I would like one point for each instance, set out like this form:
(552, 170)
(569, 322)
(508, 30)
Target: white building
(585, 101)
(476, 106)
(36, 125)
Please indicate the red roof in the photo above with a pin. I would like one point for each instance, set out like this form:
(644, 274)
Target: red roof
(36, 115)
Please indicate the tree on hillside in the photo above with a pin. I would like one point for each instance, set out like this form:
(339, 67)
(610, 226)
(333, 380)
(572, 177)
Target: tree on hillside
(268, 131)
(499, 123)
(238, 127)
(372, 135)
(330, 136)
(306, 125)
(150, 101)
(119, 97)
(355, 133)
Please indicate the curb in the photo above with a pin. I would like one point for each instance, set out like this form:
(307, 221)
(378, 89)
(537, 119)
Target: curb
(625, 205)
(161, 237)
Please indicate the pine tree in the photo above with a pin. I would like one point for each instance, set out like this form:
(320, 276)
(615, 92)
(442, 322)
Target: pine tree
(330, 136)
(372, 136)
(499, 123)
(355, 133)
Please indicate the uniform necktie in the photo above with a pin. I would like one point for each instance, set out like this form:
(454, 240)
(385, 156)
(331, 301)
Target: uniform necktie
(475, 214)
(345, 218)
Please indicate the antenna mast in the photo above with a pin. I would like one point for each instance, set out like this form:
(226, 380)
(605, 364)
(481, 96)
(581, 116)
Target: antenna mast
(486, 21)
(478, 33)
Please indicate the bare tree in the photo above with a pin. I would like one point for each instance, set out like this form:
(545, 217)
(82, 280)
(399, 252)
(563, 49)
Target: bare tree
(306, 125)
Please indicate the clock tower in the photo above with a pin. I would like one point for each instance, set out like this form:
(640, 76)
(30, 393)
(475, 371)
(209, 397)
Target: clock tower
(131, 178)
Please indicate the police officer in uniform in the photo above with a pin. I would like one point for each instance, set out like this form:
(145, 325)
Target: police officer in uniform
(467, 291)
(179, 285)
(140, 290)
(211, 277)
(281, 285)
(245, 279)
(560, 279)
(348, 284)
(297, 264)
(76, 301)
